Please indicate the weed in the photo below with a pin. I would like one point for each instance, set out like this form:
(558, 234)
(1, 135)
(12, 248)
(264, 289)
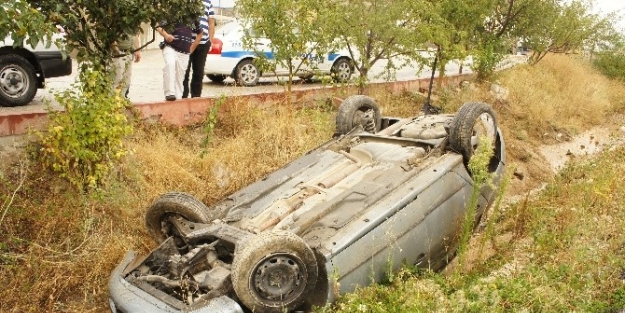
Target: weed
(209, 125)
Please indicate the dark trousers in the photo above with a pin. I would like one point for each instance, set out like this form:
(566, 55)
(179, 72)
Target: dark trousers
(197, 59)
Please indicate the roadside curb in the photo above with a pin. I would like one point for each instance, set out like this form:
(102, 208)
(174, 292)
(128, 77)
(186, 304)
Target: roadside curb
(193, 110)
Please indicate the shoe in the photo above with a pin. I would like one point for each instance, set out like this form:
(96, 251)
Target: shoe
(170, 98)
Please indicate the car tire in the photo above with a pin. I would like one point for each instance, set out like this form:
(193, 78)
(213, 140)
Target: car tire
(247, 73)
(358, 110)
(473, 120)
(216, 78)
(171, 204)
(274, 272)
(342, 70)
(18, 84)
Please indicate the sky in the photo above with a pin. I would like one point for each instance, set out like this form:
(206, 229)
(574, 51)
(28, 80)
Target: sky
(609, 6)
(223, 3)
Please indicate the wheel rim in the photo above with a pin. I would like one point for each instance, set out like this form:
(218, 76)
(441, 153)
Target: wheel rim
(343, 71)
(248, 74)
(280, 277)
(484, 126)
(13, 81)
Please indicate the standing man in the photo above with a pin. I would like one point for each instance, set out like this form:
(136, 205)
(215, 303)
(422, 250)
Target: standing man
(123, 55)
(181, 40)
(197, 59)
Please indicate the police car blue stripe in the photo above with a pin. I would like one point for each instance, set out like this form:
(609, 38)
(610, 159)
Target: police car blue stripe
(241, 54)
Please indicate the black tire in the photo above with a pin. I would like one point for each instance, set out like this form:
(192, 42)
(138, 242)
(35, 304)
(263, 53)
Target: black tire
(18, 84)
(342, 70)
(173, 203)
(473, 120)
(358, 110)
(247, 73)
(274, 271)
(216, 78)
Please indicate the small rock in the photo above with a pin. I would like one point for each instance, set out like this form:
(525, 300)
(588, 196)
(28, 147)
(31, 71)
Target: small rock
(518, 174)
(568, 152)
(623, 129)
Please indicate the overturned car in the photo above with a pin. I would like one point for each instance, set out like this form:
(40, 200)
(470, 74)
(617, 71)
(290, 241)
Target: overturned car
(382, 193)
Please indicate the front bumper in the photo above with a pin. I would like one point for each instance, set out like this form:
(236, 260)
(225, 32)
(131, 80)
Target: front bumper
(128, 298)
(54, 64)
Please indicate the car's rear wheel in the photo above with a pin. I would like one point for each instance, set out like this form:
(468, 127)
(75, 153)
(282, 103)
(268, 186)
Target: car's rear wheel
(247, 73)
(473, 122)
(358, 110)
(274, 272)
(342, 70)
(18, 84)
(173, 204)
(216, 78)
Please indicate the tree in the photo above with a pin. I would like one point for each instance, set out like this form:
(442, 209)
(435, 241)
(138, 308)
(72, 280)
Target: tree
(564, 27)
(294, 30)
(462, 30)
(92, 26)
(84, 141)
(373, 30)
(24, 24)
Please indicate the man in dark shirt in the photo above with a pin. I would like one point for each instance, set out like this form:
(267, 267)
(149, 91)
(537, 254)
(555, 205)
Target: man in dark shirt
(179, 43)
(197, 59)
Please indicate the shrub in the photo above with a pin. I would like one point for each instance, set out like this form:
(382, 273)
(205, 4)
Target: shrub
(84, 141)
(611, 64)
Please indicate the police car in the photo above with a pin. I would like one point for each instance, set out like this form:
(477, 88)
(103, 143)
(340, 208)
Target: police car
(228, 58)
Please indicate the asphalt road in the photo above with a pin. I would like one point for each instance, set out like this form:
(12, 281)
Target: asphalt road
(147, 82)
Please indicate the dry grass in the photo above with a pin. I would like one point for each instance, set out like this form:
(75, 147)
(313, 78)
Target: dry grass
(57, 248)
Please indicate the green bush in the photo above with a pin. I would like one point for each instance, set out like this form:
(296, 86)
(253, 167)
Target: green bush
(611, 64)
(84, 141)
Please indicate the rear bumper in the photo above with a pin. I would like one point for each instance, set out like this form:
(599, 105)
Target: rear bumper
(218, 65)
(53, 64)
(127, 298)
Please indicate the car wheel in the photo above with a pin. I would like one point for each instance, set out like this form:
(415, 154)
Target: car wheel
(473, 121)
(173, 204)
(246, 73)
(18, 84)
(216, 78)
(342, 70)
(274, 272)
(358, 110)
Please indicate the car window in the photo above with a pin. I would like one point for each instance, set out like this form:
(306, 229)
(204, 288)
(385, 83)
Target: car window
(226, 28)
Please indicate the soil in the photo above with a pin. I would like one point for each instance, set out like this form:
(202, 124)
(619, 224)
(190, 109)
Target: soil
(536, 163)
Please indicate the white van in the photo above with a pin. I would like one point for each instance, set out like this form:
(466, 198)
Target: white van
(24, 70)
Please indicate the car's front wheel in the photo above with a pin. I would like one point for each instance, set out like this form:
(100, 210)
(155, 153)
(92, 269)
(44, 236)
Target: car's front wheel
(358, 110)
(342, 70)
(216, 78)
(18, 84)
(247, 73)
(274, 272)
(173, 205)
(474, 122)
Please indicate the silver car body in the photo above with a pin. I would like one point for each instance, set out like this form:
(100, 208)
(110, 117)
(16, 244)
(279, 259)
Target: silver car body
(364, 203)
